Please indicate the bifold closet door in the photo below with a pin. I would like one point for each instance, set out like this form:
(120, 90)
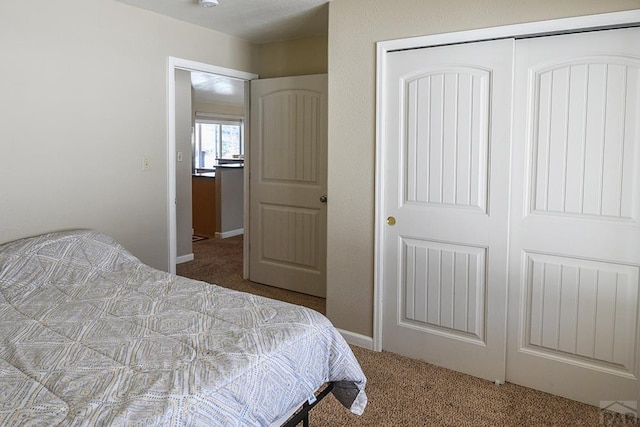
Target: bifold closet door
(575, 218)
(445, 200)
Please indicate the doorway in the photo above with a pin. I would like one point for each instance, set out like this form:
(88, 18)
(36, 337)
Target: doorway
(217, 150)
(175, 64)
(289, 150)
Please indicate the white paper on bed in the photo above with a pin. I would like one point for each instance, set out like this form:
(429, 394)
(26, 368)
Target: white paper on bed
(92, 336)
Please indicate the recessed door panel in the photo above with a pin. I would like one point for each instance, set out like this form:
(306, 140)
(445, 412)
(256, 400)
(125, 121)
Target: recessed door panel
(445, 158)
(290, 236)
(290, 132)
(582, 311)
(583, 129)
(443, 289)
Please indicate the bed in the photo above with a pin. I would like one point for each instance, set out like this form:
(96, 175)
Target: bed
(92, 336)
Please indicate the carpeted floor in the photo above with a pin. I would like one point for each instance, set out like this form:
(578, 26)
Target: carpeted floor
(219, 261)
(403, 391)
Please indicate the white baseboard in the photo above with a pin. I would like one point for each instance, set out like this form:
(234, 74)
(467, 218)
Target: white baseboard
(184, 258)
(230, 233)
(357, 339)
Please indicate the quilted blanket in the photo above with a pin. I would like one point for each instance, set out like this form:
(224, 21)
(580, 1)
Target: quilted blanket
(92, 336)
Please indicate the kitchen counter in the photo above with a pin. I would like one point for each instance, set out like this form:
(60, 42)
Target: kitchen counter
(231, 165)
(204, 174)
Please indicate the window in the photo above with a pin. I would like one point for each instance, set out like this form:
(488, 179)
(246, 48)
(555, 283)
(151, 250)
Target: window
(215, 140)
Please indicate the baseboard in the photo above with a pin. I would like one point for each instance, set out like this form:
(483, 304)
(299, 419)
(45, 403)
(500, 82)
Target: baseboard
(184, 258)
(357, 339)
(230, 233)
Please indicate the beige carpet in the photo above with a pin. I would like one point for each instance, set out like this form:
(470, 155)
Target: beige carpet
(219, 261)
(403, 391)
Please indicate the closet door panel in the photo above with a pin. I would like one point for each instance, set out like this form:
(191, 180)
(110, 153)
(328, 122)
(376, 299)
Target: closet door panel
(575, 230)
(446, 181)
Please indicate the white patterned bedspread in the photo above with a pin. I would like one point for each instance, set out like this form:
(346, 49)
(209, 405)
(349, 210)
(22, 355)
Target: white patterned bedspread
(91, 336)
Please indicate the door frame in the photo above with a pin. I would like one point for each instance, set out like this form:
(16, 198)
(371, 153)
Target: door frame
(532, 29)
(174, 64)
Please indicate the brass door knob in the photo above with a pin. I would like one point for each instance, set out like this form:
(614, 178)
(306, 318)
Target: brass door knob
(391, 221)
(323, 199)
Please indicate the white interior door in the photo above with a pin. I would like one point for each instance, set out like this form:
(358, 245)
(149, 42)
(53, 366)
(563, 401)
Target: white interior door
(288, 161)
(445, 191)
(575, 233)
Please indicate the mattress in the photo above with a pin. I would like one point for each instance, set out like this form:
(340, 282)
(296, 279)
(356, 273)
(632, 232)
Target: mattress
(92, 336)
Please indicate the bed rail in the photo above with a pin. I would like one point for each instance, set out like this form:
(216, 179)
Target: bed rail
(303, 413)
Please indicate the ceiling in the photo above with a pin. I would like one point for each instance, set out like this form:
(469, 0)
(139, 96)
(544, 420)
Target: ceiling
(214, 89)
(257, 21)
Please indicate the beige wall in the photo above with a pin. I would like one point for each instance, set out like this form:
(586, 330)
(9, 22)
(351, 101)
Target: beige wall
(82, 99)
(354, 27)
(291, 58)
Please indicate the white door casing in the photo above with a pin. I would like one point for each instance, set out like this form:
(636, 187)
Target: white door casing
(575, 221)
(446, 185)
(288, 165)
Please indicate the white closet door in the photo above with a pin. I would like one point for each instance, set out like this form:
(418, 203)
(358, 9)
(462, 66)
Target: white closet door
(446, 156)
(575, 219)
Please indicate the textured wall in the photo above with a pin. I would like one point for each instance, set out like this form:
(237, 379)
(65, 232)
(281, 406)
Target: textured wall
(291, 58)
(354, 28)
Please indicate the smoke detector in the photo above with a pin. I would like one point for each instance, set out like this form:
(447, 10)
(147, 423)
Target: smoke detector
(208, 3)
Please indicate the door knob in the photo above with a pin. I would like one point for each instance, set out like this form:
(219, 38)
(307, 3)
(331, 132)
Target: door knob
(391, 221)
(323, 199)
